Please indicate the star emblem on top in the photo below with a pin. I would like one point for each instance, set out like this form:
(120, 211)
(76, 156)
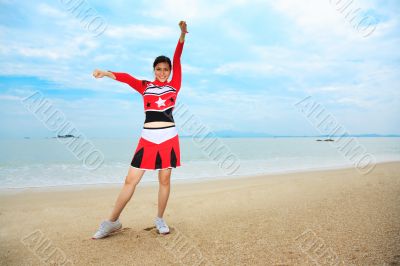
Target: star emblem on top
(160, 102)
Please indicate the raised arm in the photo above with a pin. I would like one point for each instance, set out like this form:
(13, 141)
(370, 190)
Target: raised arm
(122, 77)
(176, 63)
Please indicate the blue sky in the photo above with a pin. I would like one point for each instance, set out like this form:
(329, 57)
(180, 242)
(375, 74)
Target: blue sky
(245, 63)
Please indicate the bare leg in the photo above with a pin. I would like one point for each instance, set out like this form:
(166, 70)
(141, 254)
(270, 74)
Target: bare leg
(164, 177)
(131, 180)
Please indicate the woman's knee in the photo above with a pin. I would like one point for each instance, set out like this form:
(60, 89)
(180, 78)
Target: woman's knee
(131, 180)
(164, 181)
(134, 176)
(164, 177)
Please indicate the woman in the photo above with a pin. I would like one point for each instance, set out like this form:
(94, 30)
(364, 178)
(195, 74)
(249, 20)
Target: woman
(158, 147)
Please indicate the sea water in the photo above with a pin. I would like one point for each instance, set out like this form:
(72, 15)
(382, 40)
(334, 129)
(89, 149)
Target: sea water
(48, 162)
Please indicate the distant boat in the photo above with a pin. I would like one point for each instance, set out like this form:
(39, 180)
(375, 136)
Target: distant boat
(66, 136)
(325, 140)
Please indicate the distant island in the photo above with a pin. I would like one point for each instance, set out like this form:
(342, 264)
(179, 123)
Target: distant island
(246, 134)
(249, 134)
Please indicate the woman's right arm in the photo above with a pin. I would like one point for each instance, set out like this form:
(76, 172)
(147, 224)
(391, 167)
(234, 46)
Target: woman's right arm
(97, 73)
(122, 77)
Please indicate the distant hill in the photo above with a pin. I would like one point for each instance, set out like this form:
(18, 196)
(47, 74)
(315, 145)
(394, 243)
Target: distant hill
(249, 134)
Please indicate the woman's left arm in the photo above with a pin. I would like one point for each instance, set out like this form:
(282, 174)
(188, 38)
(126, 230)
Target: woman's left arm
(183, 26)
(176, 64)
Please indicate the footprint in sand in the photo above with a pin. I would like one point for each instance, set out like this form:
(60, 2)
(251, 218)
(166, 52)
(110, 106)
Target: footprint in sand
(154, 230)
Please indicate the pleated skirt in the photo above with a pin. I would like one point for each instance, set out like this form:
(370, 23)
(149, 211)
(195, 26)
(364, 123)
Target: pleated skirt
(158, 148)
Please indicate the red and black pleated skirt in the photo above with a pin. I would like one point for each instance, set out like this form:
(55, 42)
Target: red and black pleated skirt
(158, 148)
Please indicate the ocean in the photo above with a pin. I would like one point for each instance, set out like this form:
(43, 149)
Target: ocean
(48, 162)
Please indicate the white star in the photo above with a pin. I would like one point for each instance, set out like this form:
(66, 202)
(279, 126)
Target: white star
(160, 102)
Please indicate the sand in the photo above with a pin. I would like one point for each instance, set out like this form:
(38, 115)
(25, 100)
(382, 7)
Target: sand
(329, 217)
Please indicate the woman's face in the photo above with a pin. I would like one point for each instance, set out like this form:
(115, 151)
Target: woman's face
(162, 71)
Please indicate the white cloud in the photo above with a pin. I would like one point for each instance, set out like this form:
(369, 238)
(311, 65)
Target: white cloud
(322, 19)
(355, 102)
(140, 32)
(190, 69)
(45, 46)
(238, 109)
(319, 53)
(51, 11)
(103, 58)
(247, 68)
(9, 97)
(195, 11)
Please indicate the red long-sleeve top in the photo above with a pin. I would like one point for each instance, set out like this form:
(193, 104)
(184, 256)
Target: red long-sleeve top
(158, 97)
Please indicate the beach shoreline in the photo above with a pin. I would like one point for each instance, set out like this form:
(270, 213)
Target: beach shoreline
(329, 217)
(17, 190)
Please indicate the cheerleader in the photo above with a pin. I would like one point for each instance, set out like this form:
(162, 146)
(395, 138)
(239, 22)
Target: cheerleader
(158, 147)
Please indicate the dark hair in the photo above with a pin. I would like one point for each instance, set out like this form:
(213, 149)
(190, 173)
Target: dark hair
(162, 59)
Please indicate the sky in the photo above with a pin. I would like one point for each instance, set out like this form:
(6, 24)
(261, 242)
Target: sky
(245, 64)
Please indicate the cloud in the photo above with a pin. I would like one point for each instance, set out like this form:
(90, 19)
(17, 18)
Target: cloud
(355, 102)
(194, 11)
(191, 69)
(50, 11)
(77, 46)
(9, 97)
(247, 68)
(141, 32)
(282, 50)
(324, 19)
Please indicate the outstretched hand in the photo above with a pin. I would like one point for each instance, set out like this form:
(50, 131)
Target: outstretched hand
(183, 26)
(98, 73)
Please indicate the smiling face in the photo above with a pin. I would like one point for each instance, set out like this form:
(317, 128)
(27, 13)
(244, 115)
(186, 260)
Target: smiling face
(162, 71)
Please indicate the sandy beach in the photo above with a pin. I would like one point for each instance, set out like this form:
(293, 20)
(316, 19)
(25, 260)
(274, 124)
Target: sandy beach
(329, 217)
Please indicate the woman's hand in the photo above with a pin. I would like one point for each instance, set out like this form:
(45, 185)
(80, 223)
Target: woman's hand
(97, 73)
(183, 26)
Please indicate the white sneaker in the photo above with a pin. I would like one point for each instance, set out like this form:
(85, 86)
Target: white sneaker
(107, 227)
(161, 226)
